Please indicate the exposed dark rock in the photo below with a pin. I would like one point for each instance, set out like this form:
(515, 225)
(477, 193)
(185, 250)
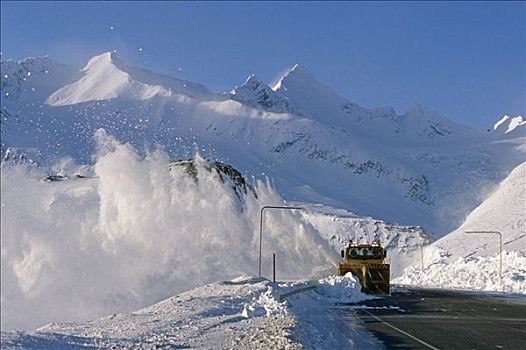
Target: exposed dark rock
(226, 173)
(368, 167)
(418, 189)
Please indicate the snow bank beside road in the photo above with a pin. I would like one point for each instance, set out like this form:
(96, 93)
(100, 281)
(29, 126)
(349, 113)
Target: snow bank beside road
(474, 273)
(323, 323)
(471, 261)
(244, 312)
(341, 289)
(207, 317)
(267, 303)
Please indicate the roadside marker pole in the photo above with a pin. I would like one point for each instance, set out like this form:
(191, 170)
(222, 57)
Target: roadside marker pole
(274, 267)
(422, 256)
(261, 227)
(421, 246)
(500, 252)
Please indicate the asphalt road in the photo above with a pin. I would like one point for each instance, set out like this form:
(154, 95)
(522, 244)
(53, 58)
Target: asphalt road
(441, 319)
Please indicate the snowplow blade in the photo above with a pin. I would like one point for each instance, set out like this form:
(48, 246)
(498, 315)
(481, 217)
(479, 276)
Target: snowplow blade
(374, 278)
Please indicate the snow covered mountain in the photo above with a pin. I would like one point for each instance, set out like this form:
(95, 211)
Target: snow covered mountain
(105, 77)
(132, 217)
(257, 94)
(418, 168)
(102, 80)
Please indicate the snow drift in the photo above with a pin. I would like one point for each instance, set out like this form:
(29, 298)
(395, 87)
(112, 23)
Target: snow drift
(471, 261)
(470, 273)
(234, 314)
(504, 210)
(132, 233)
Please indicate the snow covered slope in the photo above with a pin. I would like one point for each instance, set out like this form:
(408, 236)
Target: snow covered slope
(105, 77)
(504, 211)
(257, 94)
(310, 96)
(316, 145)
(339, 226)
(102, 80)
(465, 260)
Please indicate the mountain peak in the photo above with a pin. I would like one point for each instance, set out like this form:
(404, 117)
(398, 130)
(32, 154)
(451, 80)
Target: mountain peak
(507, 124)
(104, 80)
(103, 58)
(297, 72)
(101, 61)
(316, 99)
(500, 122)
(429, 123)
(257, 94)
(252, 82)
(299, 69)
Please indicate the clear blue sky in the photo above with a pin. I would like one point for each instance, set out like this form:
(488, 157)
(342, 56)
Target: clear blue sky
(463, 59)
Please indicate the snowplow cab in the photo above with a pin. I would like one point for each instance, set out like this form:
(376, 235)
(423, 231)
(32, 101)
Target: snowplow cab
(367, 263)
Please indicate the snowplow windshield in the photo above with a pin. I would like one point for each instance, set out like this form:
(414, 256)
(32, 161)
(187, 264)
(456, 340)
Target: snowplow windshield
(365, 253)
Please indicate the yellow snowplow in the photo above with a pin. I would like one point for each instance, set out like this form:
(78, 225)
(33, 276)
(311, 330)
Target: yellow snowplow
(367, 262)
